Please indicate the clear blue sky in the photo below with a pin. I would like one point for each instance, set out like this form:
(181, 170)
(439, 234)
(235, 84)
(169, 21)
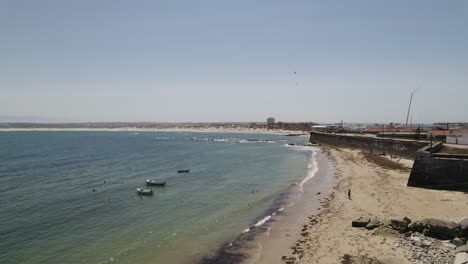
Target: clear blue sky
(356, 61)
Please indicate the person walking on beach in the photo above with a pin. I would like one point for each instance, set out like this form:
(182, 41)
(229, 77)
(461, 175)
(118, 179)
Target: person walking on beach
(349, 194)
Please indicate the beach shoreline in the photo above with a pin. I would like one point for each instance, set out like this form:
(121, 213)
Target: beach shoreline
(284, 233)
(269, 237)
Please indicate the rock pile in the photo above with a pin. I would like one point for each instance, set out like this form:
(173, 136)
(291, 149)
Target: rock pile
(428, 240)
(436, 228)
(424, 249)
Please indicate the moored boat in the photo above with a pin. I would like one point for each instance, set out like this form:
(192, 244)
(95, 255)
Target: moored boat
(144, 191)
(155, 182)
(183, 171)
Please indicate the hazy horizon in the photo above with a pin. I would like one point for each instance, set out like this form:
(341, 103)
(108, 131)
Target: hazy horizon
(39, 120)
(243, 61)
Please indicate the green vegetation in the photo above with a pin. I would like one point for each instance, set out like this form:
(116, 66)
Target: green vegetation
(384, 162)
(452, 150)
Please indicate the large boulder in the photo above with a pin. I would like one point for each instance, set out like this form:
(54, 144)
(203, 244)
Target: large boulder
(464, 227)
(373, 223)
(458, 242)
(360, 222)
(436, 228)
(461, 258)
(462, 249)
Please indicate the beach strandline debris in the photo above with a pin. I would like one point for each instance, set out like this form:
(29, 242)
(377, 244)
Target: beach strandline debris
(348, 259)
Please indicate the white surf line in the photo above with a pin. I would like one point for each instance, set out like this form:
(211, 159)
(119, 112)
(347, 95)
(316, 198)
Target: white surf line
(310, 173)
(263, 221)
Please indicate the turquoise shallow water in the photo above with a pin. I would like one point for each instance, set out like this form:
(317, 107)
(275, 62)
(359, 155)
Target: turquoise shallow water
(50, 214)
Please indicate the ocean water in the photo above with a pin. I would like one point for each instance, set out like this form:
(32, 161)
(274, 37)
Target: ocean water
(50, 213)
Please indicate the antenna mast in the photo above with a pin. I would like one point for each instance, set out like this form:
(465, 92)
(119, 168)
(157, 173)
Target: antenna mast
(409, 107)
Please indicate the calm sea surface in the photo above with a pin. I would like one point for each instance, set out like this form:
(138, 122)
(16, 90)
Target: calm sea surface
(50, 213)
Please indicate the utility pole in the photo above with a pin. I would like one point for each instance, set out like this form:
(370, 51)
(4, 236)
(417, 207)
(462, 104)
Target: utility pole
(409, 107)
(431, 145)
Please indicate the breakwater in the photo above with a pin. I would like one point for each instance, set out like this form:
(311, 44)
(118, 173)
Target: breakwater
(396, 147)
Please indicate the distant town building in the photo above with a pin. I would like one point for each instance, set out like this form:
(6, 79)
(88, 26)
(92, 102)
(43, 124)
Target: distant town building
(458, 136)
(325, 128)
(438, 134)
(270, 120)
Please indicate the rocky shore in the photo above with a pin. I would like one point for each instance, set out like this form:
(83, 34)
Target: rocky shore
(425, 241)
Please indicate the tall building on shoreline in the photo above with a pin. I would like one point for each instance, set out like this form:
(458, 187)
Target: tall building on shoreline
(270, 120)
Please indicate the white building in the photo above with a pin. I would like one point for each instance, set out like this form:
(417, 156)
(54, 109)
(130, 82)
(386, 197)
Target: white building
(270, 120)
(460, 139)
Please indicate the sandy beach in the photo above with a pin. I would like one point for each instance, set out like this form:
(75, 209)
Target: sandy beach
(326, 235)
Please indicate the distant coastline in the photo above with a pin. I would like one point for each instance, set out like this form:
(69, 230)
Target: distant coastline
(208, 129)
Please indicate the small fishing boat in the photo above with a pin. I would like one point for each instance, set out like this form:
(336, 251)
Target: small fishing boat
(144, 191)
(183, 171)
(155, 182)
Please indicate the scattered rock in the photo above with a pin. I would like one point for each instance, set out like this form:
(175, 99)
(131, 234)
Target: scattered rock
(458, 242)
(416, 239)
(436, 228)
(373, 223)
(461, 258)
(426, 244)
(449, 245)
(462, 249)
(360, 222)
(421, 249)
